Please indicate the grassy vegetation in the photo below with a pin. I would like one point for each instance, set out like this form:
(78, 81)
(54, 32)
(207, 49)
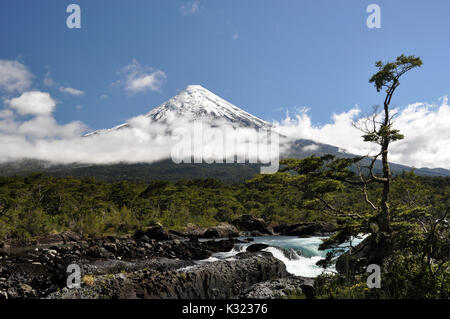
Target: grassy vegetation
(88, 280)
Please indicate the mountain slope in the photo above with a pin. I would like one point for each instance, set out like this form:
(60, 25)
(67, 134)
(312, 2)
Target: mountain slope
(197, 103)
(193, 103)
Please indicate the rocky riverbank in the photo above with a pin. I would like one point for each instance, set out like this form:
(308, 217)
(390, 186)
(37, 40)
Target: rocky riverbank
(153, 263)
(222, 279)
(38, 271)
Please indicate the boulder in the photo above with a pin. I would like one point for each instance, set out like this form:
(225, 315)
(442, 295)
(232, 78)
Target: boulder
(216, 246)
(193, 231)
(251, 223)
(256, 247)
(200, 254)
(306, 229)
(177, 235)
(70, 236)
(156, 232)
(99, 252)
(281, 228)
(64, 237)
(223, 230)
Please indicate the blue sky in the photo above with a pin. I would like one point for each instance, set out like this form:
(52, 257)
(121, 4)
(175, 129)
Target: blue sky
(261, 55)
(267, 57)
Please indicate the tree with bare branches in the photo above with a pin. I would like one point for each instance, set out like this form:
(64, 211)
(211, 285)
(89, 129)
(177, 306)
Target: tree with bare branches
(378, 128)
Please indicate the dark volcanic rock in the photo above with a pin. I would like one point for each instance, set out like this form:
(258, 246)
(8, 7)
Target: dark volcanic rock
(99, 252)
(216, 246)
(155, 232)
(256, 247)
(251, 223)
(194, 231)
(305, 229)
(177, 235)
(104, 267)
(223, 279)
(281, 288)
(281, 228)
(221, 231)
(290, 253)
(64, 237)
(44, 270)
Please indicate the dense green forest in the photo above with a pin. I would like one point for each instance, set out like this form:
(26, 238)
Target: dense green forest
(39, 204)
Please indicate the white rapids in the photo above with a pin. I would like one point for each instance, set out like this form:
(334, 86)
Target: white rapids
(300, 255)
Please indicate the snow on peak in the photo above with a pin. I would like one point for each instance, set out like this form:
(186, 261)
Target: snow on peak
(197, 103)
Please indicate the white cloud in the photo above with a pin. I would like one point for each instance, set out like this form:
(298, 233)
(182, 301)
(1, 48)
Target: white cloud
(190, 8)
(235, 35)
(425, 126)
(45, 126)
(14, 76)
(104, 97)
(39, 127)
(71, 91)
(33, 103)
(143, 141)
(310, 148)
(140, 79)
(146, 82)
(48, 80)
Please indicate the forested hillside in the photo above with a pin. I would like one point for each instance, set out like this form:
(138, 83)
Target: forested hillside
(39, 204)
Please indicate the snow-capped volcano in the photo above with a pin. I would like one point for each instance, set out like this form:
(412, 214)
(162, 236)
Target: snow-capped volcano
(197, 103)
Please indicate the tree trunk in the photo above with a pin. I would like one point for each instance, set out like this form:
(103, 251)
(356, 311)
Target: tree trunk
(381, 241)
(384, 217)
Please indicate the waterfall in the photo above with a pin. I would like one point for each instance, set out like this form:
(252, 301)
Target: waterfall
(300, 255)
